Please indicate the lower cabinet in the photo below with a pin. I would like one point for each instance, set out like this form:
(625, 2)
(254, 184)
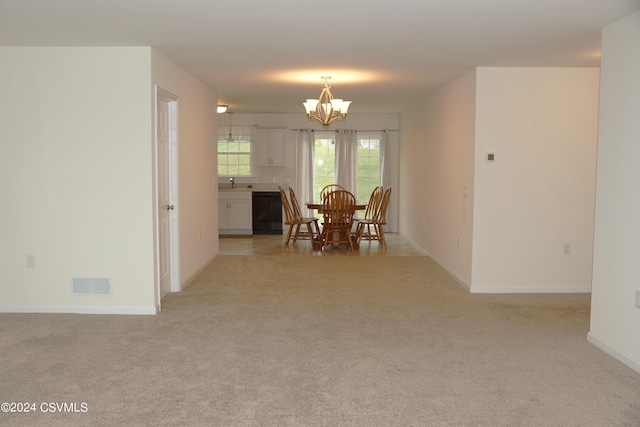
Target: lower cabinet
(234, 212)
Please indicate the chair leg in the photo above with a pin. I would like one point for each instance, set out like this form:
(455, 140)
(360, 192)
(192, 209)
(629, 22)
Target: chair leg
(325, 238)
(316, 236)
(382, 239)
(286, 241)
(359, 232)
(350, 241)
(297, 232)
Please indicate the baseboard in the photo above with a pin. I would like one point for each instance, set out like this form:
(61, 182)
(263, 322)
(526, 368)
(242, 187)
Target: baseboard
(613, 351)
(78, 309)
(191, 278)
(412, 243)
(530, 289)
(419, 248)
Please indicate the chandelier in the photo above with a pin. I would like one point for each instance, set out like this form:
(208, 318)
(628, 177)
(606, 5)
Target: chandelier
(326, 109)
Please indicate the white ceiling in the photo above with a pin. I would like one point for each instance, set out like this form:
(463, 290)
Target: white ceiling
(251, 51)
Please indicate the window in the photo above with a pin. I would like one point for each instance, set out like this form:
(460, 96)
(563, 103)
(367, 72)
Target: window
(234, 156)
(325, 162)
(369, 173)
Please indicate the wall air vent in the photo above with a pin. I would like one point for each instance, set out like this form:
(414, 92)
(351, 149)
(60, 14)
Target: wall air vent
(91, 285)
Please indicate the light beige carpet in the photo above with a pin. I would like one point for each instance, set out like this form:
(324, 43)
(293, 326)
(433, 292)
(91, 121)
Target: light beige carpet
(321, 341)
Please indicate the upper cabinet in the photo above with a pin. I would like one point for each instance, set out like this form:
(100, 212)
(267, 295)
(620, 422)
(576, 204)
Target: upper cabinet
(269, 147)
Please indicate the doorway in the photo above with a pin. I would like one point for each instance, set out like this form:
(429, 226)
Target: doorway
(166, 153)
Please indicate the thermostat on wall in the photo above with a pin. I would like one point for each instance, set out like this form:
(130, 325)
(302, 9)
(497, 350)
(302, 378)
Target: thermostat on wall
(490, 157)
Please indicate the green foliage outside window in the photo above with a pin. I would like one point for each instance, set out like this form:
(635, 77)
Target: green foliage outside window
(368, 174)
(234, 158)
(325, 165)
(368, 168)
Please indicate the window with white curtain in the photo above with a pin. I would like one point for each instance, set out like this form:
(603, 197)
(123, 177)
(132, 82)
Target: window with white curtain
(324, 162)
(234, 150)
(369, 174)
(367, 163)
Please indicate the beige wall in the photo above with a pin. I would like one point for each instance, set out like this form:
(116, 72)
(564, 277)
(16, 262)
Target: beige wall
(508, 233)
(436, 158)
(539, 193)
(197, 204)
(75, 175)
(615, 321)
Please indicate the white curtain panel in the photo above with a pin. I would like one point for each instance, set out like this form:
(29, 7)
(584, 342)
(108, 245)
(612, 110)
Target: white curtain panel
(384, 160)
(347, 159)
(305, 143)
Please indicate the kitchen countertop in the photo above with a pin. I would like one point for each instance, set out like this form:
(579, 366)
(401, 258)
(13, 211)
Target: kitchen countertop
(251, 187)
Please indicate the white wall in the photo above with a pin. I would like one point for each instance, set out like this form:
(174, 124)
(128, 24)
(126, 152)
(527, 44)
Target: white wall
(615, 321)
(508, 233)
(75, 177)
(538, 194)
(197, 205)
(436, 157)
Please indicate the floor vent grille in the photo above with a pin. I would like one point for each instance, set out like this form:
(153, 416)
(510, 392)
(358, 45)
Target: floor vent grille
(91, 286)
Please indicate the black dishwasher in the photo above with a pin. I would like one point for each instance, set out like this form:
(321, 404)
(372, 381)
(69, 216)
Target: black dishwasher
(267, 212)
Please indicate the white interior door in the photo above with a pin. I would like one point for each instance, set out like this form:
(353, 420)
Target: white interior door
(166, 143)
(165, 207)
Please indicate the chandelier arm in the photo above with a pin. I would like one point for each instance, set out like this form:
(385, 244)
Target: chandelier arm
(326, 109)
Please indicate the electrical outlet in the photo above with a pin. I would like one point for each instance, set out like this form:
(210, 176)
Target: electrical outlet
(638, 299)
(31, 261)
(566, 249)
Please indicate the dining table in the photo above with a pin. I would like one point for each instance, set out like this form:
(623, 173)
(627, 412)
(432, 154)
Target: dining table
(319, 205)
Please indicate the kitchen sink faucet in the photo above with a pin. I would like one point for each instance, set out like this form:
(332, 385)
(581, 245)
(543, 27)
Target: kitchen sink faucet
(233, 182)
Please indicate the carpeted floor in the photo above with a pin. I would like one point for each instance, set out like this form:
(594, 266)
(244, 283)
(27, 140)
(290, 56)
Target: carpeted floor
(321, 341)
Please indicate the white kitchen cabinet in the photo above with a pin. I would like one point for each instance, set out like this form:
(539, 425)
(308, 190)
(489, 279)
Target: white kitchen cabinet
(269, 147)
(234, 212)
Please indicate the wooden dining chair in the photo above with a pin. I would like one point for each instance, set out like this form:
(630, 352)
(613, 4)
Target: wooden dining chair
(297, 212)
(373, 205)
(295, 221)
(373, 228)
(294, 203)
(338, 209)
(328, 189)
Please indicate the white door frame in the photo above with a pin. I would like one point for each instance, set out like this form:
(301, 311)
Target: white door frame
(174, 263)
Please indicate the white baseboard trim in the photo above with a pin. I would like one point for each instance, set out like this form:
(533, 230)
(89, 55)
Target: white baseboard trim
(414, 244)
(613, 351)
(530, 289)
(77, 309)
(197, 273)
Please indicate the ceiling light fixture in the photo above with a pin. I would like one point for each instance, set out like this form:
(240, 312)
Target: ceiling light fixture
(230, 137)
(222, 108)
(326, 109)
